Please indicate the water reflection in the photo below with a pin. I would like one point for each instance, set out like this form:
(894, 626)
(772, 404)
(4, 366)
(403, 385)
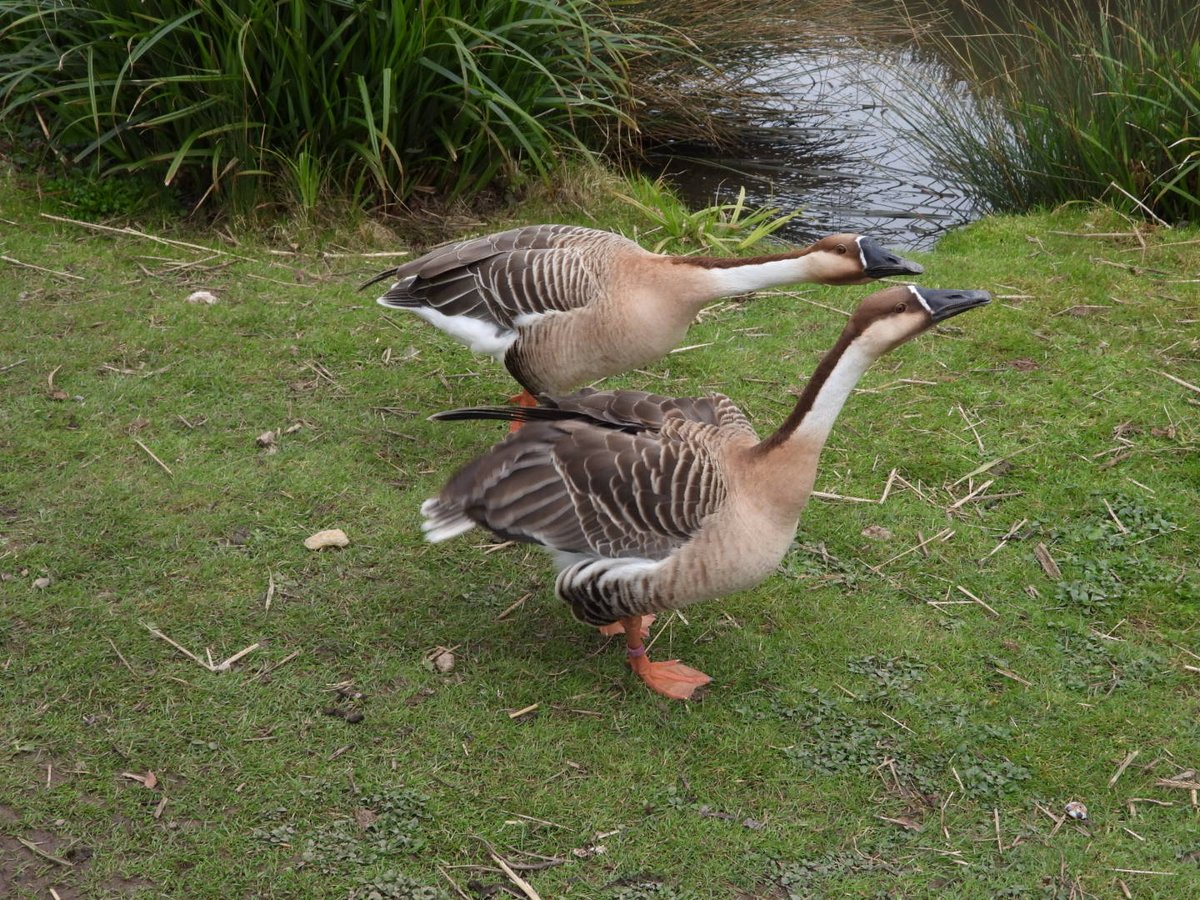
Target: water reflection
(835, 151)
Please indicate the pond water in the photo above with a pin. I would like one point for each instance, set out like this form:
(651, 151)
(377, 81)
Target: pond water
(835, 150)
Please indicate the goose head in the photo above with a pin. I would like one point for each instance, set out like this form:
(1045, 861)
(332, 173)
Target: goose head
(857, 259)
(888, 318)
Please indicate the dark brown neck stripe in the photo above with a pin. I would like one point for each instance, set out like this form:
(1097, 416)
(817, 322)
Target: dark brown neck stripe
(809, 395)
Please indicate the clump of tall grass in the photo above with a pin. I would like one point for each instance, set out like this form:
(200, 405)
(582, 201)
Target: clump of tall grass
(384, 99)
(387, 100)
(722, 228)
(1073, 101)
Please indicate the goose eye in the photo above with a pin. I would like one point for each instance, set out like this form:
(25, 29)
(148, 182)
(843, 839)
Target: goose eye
(840, 248)
(901, 307)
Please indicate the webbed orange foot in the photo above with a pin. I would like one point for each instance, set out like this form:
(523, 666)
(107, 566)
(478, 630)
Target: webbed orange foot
(671, 679)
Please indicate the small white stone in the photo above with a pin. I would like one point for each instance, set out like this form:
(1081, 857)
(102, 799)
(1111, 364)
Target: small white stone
(208, 298)
(444, 662)
(1077, 811)
(332, 537)
(41, 583)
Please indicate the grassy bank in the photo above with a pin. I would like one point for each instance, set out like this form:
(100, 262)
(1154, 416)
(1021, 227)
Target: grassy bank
(858, 738)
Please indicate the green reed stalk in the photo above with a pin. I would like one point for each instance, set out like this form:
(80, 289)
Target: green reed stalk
(396, 98)
(1076, 103)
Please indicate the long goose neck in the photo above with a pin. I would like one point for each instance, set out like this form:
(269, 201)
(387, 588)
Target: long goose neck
(724, 277)
(822, 399)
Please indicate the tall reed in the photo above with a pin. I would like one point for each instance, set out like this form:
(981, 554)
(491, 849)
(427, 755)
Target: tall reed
(388, 99)
(1073, 101)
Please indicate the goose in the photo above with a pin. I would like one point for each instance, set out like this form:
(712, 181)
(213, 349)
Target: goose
(648, 503)
(561, 306)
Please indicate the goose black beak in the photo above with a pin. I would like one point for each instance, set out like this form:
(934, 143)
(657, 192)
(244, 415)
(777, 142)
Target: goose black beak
(880, 263)
(942, 304)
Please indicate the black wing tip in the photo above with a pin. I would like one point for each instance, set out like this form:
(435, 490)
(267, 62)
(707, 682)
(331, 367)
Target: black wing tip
(382, 276)
(530, 414)
(509, 413)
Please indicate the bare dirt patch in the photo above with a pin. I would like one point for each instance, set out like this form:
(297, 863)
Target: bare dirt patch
(34, 862)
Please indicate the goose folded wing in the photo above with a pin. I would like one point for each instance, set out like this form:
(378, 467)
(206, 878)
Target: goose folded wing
(640, 494)
(498, 277)
(576, 488)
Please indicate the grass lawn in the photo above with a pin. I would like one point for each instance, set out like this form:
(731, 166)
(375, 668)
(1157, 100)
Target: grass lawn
(871, 730)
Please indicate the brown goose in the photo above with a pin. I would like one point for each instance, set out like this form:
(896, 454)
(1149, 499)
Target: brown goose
(651, 503)
(562, 306)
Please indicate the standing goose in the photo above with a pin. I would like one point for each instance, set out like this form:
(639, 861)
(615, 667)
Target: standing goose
(651, 503)
(562, 306)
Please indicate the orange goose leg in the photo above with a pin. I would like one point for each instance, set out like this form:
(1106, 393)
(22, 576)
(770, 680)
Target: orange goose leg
(618, 627)
(671, 679)
(522, 399)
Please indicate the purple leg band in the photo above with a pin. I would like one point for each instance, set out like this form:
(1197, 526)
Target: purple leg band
(635, 651)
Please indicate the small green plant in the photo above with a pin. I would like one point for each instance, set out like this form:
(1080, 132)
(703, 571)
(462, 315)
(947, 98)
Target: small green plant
(1105, 554)
(92, 198)
(306, 180)
(1100, 667)
(383, 824)
(896, 676)
(646, 889)
(724, 228)
(832, 740)
(278, 834)
(991, 779)
(810, 562)
(391, 885)
(798, 878)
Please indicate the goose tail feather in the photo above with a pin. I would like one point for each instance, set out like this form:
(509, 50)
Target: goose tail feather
(442, 522)
(382, 276)
(399, 295)
(507, 413)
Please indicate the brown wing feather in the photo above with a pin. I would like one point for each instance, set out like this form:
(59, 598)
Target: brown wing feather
(577, 487)
(536, 269)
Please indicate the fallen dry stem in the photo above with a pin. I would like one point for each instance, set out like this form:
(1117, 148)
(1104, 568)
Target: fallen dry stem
(979, 470)
(57, 860)
(1123, 766)
(516, 604)
(525, 887)
(979, 490)
(168, 242)
(210, 666)
(944, 535)
(25, 265)
(1013, 676)
(120, 657)
(152, 455)
(1049, 566)
(1179, 381)
(977, 600)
